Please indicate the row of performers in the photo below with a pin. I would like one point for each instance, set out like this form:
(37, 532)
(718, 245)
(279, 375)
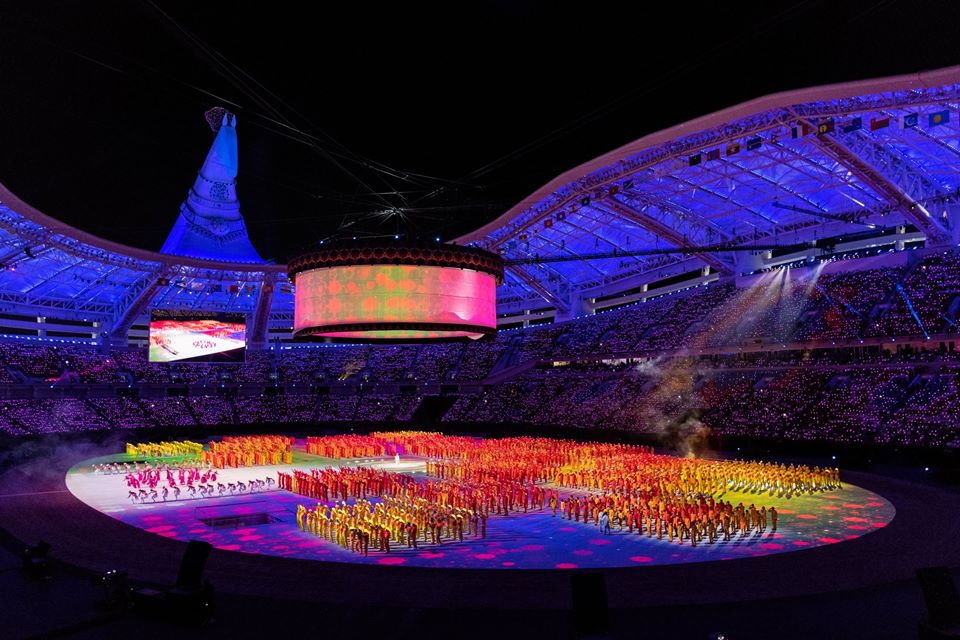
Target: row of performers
(183, 448)
(351, 446)
(248, 451)
(400, 521)
(490, 496)
(680, 519)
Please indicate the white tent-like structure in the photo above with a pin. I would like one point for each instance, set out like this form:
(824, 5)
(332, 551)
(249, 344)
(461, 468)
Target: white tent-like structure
(210, 226)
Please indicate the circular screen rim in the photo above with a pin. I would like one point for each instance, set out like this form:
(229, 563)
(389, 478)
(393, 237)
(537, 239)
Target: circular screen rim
(314, 333)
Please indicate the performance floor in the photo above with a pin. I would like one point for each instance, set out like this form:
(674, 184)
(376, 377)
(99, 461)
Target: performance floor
(265, 523)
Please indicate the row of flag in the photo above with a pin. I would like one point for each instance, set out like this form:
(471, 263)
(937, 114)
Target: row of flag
(801, 129)
(217, 287)
(752, 144)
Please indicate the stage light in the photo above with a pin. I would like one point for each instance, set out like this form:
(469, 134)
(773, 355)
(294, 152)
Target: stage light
(115, 586)
(35, 560)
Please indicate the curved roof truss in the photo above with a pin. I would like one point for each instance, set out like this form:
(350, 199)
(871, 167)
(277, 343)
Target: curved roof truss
(836, 156)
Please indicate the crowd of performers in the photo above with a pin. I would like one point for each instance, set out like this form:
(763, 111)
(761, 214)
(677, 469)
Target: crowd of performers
(418, 443)
(399, 521)
(488, 497)
(636, 489)
(470, 479)
(604, 485)
(118, 468)
(170, 482)
(182, 449)
(678, 519)
(350, 446)
(408, 510)
(428, 444)
(249, 451)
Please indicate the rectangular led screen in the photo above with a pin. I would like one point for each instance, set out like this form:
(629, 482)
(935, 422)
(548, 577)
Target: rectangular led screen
(191, 336)
(395, 301)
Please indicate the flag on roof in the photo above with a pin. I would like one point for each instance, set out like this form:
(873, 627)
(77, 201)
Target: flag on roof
(801, 129)
(909, 120)
(879, 123)
(733, 149)
(695, 160)
(754, 143)
(826, 126)
(852, 125)
(713, 154)
(939, 117)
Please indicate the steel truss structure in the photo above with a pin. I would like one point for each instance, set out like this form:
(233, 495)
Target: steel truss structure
(782, 169)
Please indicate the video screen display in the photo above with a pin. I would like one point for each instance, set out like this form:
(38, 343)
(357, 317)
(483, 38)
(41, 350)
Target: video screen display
(451, 300)
(180, 336)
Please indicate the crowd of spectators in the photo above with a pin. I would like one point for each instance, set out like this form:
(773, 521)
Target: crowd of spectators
(848, 305)
(805, 390)
(894, 403)
(932, 289)
(32, 417)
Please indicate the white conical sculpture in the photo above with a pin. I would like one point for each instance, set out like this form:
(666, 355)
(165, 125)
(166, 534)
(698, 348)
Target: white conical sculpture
(210, 226)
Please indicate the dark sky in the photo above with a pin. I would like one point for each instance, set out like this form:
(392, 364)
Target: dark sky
(101, 103)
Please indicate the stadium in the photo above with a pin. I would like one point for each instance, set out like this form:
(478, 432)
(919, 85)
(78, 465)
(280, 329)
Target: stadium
(705, 384)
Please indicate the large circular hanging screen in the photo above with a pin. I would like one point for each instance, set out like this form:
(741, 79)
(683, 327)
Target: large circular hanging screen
(394, 302)
(395, 293)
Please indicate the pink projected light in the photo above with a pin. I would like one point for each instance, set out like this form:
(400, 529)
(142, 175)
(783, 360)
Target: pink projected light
(353, 295)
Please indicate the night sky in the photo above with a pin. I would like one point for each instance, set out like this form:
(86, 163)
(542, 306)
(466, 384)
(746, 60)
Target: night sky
(465, 113)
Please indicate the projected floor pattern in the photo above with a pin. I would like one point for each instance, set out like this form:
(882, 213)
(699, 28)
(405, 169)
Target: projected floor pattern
(265, 523)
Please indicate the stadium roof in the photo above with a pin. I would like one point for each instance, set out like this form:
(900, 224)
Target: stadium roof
(888, 149)
(779, 169)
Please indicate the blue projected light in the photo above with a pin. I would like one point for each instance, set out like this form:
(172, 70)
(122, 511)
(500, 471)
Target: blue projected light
(903, 294)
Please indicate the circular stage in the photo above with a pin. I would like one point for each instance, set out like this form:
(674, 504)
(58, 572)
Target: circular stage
(37, 505)
(265, 522)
